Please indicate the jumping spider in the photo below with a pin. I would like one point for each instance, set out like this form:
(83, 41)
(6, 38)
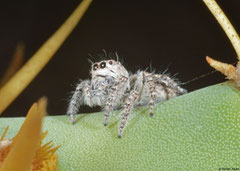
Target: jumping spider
(112, 86)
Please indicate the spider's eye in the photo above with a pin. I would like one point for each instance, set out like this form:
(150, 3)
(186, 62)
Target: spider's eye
(110, 62)
(95, 66)
(103, 64)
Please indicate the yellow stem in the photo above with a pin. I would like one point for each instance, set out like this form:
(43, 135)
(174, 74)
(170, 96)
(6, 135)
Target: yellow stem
(28, 72)
(225, 24)
(15, 64)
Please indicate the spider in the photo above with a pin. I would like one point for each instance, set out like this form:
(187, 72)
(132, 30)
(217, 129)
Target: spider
(111, 86)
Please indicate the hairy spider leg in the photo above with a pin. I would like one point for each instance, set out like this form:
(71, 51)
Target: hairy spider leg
(81, 94)
(116, 92)
(152, 89)
(130, 101)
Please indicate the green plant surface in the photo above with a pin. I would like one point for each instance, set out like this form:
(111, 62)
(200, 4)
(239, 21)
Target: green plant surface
(196, 131)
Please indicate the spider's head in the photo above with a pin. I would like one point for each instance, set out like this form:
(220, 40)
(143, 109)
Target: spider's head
(110, 68)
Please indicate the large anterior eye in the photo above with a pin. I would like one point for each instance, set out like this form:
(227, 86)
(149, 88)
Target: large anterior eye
(103, 64)
(95, 66)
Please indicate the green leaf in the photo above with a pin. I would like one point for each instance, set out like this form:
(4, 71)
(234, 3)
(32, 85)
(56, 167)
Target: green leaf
(196, 131)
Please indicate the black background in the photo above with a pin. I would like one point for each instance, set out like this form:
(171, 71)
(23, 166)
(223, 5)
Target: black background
(174, 34)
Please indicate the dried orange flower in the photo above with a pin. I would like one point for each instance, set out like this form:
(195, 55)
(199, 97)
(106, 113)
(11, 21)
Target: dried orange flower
(25, 151)
(231, 72)
(44, 159)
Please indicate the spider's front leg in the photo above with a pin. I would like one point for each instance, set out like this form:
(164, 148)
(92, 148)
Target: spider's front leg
(116, 92)
(82, 95)
(131, 100)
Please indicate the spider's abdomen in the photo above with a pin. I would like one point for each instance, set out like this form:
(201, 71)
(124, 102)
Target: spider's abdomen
(164, 88)
(145, 96)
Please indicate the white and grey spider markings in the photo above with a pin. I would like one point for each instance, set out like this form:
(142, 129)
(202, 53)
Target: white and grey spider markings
(111, 86)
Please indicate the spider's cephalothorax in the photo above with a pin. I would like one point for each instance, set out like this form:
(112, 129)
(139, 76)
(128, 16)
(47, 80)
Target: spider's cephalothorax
(112, 87)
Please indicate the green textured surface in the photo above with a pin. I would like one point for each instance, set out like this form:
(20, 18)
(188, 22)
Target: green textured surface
(197, 131)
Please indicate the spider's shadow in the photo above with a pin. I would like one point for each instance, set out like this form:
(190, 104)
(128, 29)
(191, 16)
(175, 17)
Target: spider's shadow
(117, 118)
(134, 119)
(80, 116)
